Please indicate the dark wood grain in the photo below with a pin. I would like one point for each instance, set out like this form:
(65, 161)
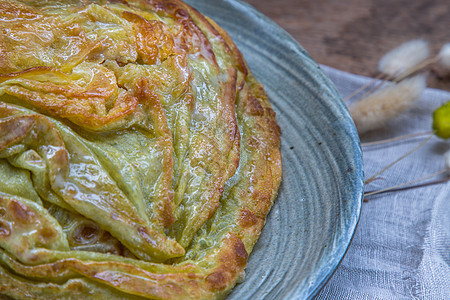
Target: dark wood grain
(352, 35)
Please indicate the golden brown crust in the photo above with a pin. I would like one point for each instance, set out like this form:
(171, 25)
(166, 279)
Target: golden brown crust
(230, 263)
(210, 186)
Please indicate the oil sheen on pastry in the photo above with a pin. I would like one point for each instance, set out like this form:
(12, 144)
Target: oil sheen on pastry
(138, 155)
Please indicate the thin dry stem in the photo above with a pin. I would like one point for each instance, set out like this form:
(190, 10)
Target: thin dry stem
(363, 87)
(372, 178)
(410, 184)
(416, 69)
(398, 138)
(376, 87)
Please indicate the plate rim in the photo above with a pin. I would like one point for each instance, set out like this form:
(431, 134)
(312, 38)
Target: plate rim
(358, 192)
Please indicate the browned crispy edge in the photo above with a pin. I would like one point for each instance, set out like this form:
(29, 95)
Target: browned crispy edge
(265, 139)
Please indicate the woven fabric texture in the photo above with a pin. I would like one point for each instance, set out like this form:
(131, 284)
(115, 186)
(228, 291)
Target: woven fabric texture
(401, 248)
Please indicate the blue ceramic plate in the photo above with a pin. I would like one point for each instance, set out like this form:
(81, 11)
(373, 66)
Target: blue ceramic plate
(311, 225)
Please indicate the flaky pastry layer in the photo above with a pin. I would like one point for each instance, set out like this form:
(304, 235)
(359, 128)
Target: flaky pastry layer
(139, 156)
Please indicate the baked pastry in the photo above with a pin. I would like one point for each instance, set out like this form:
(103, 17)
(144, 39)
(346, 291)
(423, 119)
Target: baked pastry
(138, 155)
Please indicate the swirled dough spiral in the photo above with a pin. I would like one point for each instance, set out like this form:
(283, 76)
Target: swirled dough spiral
(138, 155)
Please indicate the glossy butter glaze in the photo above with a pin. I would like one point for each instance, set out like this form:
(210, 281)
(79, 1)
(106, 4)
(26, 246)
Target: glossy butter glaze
(152, 152)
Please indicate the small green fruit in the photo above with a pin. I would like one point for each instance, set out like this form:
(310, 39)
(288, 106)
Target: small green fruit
(441, 121)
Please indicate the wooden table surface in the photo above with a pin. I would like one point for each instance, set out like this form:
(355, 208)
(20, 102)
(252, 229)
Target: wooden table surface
(352, 35)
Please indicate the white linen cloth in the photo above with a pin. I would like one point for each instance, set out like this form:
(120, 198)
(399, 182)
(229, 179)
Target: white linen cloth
(401, 248)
